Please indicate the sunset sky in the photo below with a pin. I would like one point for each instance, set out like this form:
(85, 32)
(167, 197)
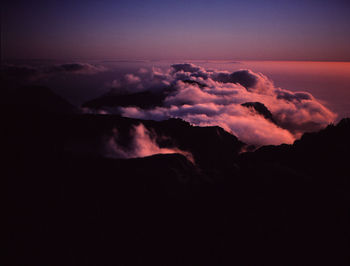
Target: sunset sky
(244, 30)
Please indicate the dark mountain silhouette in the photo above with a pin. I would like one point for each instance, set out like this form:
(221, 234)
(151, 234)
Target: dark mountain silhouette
(35, 98)
(261, 109)
(243, 77)
(67, 204)
(193, 82)
(144, 99)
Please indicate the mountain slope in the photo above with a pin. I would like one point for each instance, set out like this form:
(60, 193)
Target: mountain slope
(67, 204)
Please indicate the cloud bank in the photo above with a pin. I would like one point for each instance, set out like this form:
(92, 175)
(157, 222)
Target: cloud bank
(32, 73)
(142, 144)
(210, 97)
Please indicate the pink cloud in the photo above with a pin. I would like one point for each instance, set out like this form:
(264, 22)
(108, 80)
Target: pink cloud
(143, 144)
(213, 97)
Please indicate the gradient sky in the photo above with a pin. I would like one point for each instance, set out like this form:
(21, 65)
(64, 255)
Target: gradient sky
(177, 29)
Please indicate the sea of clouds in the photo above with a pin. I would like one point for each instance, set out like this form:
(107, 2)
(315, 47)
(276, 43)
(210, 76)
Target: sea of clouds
(244, 103)
(207, 97)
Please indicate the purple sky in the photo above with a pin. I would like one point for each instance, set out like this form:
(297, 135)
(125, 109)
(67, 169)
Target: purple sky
(183, 29)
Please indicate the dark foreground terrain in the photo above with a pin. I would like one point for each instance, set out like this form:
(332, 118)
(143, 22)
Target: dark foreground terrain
(67, 204)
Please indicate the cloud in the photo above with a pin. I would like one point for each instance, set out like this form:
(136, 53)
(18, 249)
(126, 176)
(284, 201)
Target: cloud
(186, 67)
(211, 97)
(250, 128)
(244, 77)
(27, 73)
(127, 83)
(9, 71)
(142, 144)
(77, 68)
(290, 97)
(154, 79)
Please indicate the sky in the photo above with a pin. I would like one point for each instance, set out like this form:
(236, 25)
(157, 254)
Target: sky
(183, 29)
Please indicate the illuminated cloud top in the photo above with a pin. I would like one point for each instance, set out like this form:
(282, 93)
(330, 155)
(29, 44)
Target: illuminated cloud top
(243, 102)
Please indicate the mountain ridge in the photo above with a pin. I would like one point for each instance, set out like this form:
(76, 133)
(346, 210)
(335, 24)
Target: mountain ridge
(67, 204)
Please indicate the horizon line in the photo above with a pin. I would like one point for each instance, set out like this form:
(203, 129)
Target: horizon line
(173, 59)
